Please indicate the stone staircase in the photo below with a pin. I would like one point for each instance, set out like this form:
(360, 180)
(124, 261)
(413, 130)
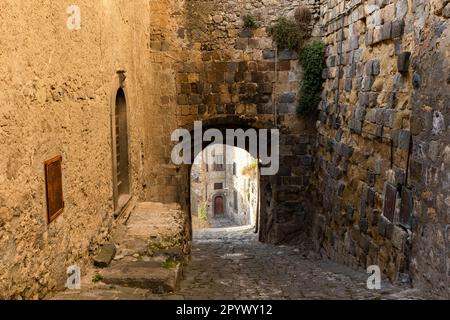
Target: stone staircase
(144, 258)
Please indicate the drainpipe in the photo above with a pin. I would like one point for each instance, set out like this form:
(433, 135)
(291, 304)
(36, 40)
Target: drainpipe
(274, 95)
(447, 228)
(337, 97)
(258, 199)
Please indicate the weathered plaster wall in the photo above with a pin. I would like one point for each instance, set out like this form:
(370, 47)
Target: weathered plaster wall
(243, 200)
(56, 91)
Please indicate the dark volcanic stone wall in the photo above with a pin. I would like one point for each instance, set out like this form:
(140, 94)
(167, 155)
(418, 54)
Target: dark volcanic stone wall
(382, 179)
(430, 164)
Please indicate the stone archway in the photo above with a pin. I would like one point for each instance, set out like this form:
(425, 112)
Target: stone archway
(284, 213)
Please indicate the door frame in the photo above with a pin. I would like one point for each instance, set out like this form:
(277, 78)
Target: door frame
(224, 198)
(119, 83)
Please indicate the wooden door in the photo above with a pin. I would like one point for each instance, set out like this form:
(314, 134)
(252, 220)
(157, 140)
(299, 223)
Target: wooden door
(219, 206)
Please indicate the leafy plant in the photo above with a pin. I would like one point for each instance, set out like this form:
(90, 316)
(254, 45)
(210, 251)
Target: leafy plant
(170, 263)
(312, 60)
(288, 34)
(251, 170)
(250, 22)
(97, 278)
(202, 213)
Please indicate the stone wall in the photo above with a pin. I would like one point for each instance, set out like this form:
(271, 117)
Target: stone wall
(375, 127)
(383, 125)
(430, 161)
(233, 79)
(57, 88)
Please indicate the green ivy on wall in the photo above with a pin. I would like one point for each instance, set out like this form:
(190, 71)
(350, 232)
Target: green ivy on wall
(295, 35)
(312, 60)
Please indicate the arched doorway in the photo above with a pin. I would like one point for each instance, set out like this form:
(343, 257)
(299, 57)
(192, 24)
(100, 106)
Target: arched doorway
(120, 152)
(219, 206)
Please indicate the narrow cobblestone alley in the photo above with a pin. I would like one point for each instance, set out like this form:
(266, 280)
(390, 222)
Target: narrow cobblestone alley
(229, 263)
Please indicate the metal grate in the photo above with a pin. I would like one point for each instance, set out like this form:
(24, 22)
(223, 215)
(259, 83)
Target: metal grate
(54, 188)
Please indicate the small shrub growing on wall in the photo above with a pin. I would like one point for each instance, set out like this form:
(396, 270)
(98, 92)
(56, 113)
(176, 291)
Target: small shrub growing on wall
(250, 22)
(312, 61)
(287, 34)
(303, 16)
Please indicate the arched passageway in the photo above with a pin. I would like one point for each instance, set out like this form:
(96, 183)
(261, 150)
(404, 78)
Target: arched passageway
(224, 188)
(284, 214)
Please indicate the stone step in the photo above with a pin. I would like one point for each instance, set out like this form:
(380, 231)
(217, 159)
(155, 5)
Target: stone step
(154, 276)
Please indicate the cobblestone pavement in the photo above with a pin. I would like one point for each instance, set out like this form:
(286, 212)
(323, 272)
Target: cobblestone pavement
(229, 263)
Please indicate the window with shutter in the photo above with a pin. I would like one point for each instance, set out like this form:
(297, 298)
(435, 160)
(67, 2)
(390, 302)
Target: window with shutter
(54, 188)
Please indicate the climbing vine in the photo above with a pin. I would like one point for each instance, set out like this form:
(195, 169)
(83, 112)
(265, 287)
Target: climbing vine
(311, 58)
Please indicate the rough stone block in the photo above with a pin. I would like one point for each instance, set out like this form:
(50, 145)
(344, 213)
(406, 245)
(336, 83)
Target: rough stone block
(288, 97)
(397, 28)
(400, 176)
(363, 99)
(367, 83)
(345, 151)
(369, 37)
(241, 44)
(348, 85)
(287, 55)
(401, 8)
(403, 61)
(354, 42)
(372, 115)
(446, 11)
(388, 118)
(398, 238)
(386, 31)
(201, 109)
(105, 256)
(382, 226)
(182, 99)
(195, 99)
(364, 225)
(376, 67)
(368, 68)
(146, 275)
(373, 99)
(246, 33)
(371, 196)
(404, 139)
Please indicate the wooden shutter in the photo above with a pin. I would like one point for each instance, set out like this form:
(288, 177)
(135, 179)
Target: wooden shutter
(54, 188)
(390, 200)
(406, 208)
